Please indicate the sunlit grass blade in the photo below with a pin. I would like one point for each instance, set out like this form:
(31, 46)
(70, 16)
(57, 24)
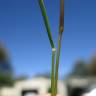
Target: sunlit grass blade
(61, 29)
(53, 73)
(45, 17)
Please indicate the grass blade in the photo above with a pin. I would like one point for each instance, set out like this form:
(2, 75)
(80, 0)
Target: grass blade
(45, 17)
(61, 29)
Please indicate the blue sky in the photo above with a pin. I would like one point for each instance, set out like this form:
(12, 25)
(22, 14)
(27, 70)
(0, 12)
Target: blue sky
(23, 33)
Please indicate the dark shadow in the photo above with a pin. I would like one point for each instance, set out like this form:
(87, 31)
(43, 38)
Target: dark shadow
(33, 91)
(77, 91)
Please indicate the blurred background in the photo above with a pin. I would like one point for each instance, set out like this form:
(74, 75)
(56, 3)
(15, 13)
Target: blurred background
(25, 52)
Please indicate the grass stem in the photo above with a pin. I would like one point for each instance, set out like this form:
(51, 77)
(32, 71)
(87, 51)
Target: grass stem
(45, 17)
(52, 73)
(57, 62)
(61, 29)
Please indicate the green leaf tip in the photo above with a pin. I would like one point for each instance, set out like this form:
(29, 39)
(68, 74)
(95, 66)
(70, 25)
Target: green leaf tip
(45, 17)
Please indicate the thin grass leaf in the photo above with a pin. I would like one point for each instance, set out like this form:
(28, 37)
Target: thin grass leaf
(45, 17)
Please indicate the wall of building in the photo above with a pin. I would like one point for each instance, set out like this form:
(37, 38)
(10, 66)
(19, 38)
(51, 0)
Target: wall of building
(40, 84)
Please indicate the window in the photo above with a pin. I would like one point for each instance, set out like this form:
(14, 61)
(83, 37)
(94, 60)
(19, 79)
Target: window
(33, 92)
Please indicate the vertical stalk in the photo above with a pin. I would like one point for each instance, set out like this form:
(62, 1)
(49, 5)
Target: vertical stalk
(45, 17)
(61, 29)
(57, 62)
(52, 73)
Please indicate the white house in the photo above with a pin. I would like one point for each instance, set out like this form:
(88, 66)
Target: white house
(33, 87)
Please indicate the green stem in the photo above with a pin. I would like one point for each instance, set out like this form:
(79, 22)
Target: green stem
(61, 29)
(45, 17)
(52, 73)
(57, 61)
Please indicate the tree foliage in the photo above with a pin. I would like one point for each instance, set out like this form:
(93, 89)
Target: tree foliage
(92, 66)
(5, 68)
(83, 69)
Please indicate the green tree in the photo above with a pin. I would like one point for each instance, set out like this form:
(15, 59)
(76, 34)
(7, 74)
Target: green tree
(6, 72)
(92, 66)
(80, 69)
